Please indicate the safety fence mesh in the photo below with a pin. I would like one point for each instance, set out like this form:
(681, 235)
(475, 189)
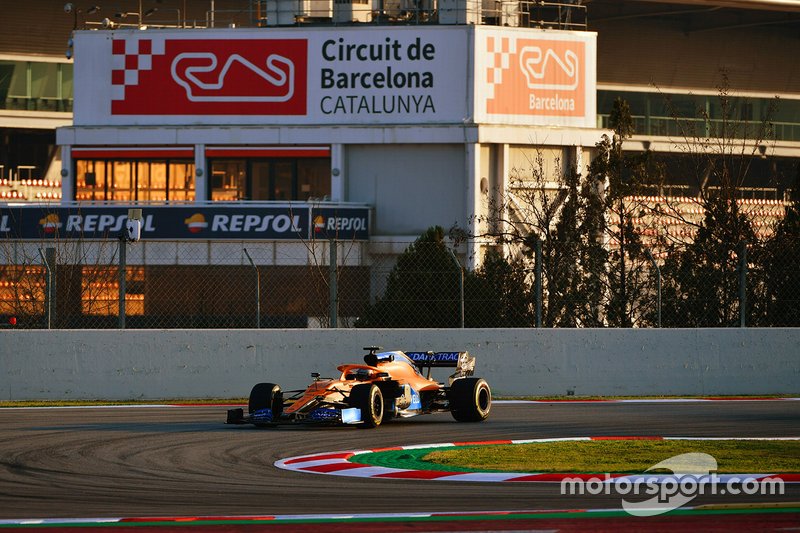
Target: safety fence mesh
(396, 284)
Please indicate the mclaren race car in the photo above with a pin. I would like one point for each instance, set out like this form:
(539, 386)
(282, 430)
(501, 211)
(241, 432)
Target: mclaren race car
(388, 385)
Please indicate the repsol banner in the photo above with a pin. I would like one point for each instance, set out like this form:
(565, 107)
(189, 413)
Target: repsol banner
(338, 223)
(200, 222)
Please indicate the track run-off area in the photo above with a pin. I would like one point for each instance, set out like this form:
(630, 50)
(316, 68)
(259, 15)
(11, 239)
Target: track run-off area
(169, 466)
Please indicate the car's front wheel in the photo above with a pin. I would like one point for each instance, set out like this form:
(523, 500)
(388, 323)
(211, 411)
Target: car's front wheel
(266, 396)
(368, 398)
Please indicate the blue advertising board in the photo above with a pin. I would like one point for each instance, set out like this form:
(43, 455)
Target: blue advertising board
(341, 223)
(205, 222)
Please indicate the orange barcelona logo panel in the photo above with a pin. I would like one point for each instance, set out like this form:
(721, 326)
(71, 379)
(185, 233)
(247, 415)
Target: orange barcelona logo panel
(536, 77)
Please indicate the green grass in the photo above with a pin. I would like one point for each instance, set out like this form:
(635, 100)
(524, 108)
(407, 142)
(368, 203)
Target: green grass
(622, 456)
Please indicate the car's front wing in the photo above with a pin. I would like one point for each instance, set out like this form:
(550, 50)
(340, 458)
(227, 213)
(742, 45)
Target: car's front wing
(320, 415)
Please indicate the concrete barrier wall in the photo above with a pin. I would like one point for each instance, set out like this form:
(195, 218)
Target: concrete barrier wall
(155, 364)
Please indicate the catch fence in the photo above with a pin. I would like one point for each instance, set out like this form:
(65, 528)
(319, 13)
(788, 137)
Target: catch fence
(74, 284)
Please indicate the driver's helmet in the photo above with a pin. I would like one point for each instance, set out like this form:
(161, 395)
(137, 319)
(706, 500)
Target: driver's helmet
(359, 374)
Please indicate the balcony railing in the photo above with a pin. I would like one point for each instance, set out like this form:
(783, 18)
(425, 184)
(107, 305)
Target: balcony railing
(22, 103)
(702, 128)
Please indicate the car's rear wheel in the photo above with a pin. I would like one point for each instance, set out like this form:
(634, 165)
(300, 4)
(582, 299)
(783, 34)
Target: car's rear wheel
(470, 399)
(368, 398)
(266, 396)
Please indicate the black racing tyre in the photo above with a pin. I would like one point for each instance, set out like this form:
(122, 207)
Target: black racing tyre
(266, 395)
(470, 399)
(368, 398)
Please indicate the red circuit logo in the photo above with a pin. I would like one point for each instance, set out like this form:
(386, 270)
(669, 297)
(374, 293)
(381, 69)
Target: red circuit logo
(153, 76)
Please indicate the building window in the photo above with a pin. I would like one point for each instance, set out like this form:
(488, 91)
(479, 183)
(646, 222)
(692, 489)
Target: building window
(102, 180)
(270, 179)
(273, 180)
(152, 181)
(314, 178)
(653, 113)
(228, 183)
(180, 181)
(36, 85)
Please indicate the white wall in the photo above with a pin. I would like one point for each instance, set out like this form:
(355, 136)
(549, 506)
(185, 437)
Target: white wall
(227, 363)
(412, 186)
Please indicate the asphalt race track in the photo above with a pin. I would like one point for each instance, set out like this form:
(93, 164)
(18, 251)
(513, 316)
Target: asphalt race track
(183, 461)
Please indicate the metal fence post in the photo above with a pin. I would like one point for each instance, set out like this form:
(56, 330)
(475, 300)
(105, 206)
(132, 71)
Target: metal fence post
(258, 289)
(658, 283)
(538, 281)
(123, 263)
(49, 260)
(460, 287)
(743, 284)
(333, 286)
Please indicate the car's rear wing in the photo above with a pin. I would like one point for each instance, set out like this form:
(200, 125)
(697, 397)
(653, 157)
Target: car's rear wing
(436, 359)
(461, 361)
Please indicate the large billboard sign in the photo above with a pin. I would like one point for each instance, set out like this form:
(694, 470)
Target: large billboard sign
(204, 222)
(427, 74)
(410, 75)
(535, 77)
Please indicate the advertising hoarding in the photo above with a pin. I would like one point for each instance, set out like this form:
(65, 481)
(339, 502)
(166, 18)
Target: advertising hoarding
(408, 75)
(288, 223)
(347, 75)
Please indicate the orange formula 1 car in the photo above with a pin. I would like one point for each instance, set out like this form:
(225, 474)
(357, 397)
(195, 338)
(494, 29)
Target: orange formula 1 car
(388, 385)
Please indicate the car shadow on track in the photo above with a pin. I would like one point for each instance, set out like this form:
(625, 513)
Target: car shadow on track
(188, 427)
(427, 420)
(135, 427)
